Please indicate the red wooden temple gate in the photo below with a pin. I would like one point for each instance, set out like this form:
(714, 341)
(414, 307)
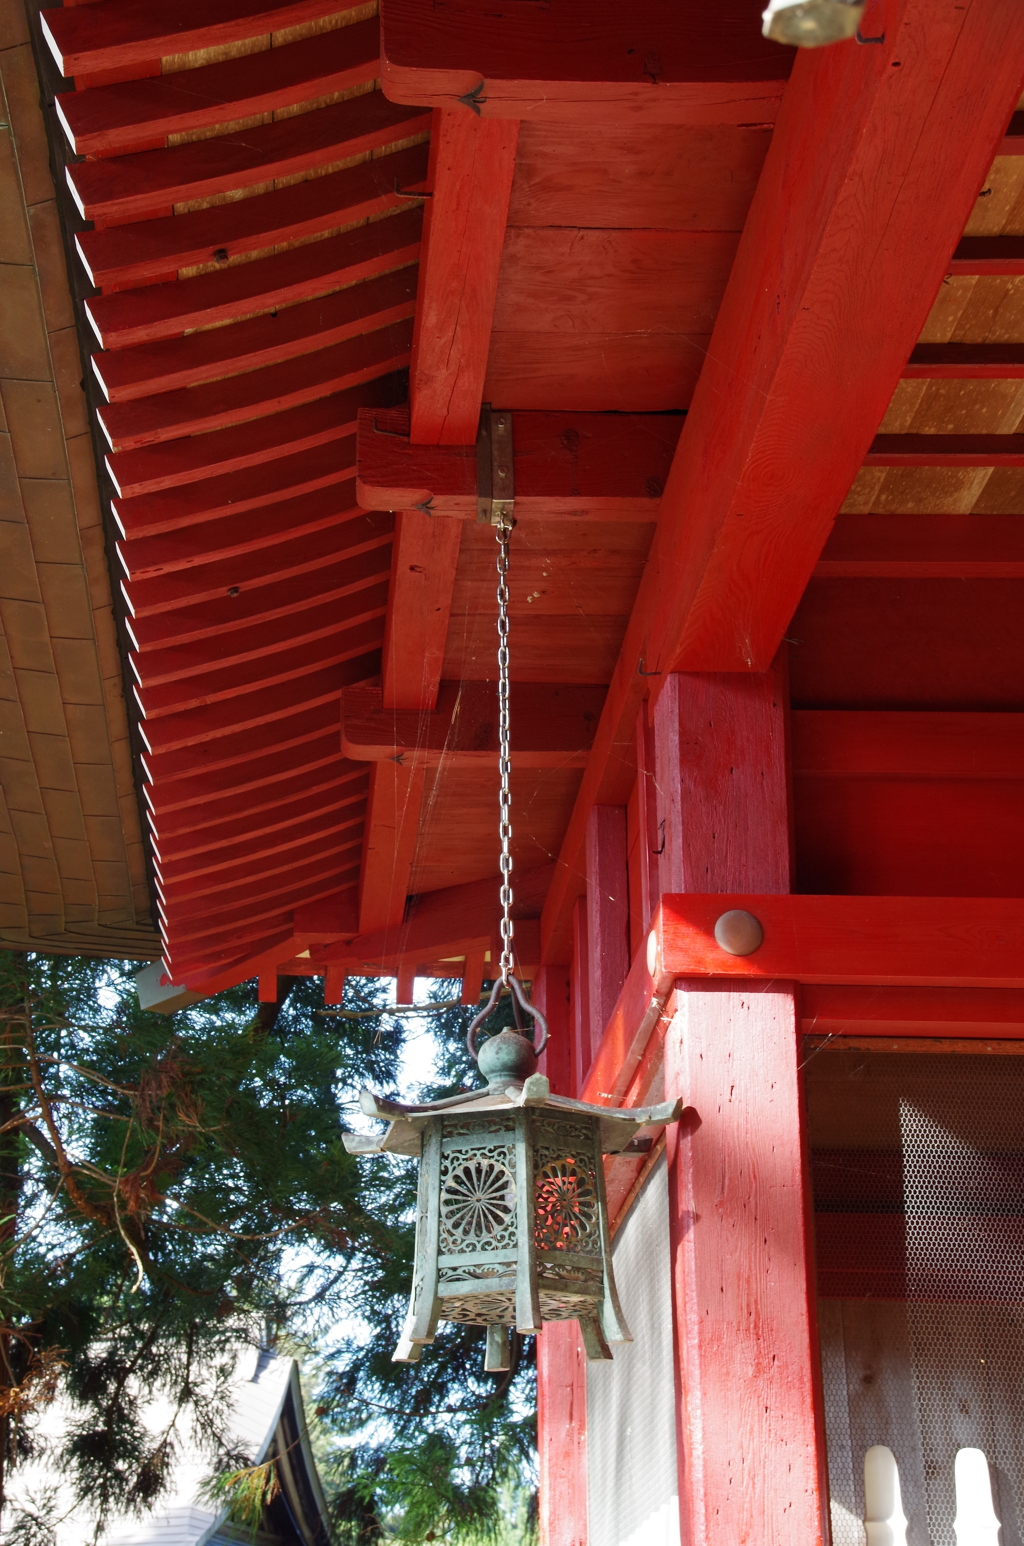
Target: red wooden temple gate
(754, 318)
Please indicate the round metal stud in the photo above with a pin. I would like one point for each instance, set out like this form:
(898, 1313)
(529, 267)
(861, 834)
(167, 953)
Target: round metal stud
(738, 933)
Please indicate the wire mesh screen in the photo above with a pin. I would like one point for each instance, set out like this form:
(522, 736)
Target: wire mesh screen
(633, 1489)
(917, 1165)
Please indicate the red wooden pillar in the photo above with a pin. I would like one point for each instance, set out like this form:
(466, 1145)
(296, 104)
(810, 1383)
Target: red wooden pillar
(607, 914)
(751, 1443)
(580, 997)
(561, 1365)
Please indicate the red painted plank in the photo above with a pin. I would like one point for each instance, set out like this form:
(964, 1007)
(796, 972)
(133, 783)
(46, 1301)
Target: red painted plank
(966, 362)
(356, 648)
(110, 120)
(341, 798)
(238, 752)
(424, 556)
(132, 254)
(215, 405)
(315, 855)
(988, 255)
(109, 34)
(940, 546)
(208, 792)
(841, 1010)
(760, 472)
(588, 60)
(184, 470)
(344, 578)
(607, 913)
(280, 477)
(297, 778)
(471, 167)
(268, 566)
(946, 451)
(231, 536)
(120, 189)
(829, 743)
(960, 942)
(550, 726)
(567, 466)
(166, 310)
(288, 838)
(562, 1435)
(197, 918)
(389, 844)
(125, 374)
(245, 652)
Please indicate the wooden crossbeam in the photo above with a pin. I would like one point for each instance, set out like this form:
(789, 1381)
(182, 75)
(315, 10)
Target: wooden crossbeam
(946, 451)
(978, 362)
(585, 61)
(449, 922)
(470, 176)
(896, 744)
(919, 546)
(552, 726)
(568, 466)
(988, 255)
(957, 942)
(862, 211)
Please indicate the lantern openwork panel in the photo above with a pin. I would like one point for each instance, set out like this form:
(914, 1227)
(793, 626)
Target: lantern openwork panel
(512, 1221)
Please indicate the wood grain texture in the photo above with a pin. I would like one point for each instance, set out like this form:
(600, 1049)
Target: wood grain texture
(562, 1435)
(551, 727)
(759, 472)
(594, 372)
(752, 1447)
(585, 62)
(423, 565)
(470, 176)
(392, 821)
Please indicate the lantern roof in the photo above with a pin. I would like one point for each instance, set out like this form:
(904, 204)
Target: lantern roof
(618, 1128)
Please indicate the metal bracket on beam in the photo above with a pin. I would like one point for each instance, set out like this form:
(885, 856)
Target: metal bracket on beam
(495, 480)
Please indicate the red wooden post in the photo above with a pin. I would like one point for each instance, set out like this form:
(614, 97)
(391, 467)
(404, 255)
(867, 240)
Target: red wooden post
(580, 997)
(751, 1443)
(607, 913)
(551, 994)
(650, 843)
(562, 1435)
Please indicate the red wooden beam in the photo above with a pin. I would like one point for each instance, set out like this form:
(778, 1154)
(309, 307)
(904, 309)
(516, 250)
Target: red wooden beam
(829, 743)
(152, 249)
(959, 942)
(585, 61)
(551, 726)
(966, 362)
(165, 311)
(988, 255)
(173, 363)
(131, 115)
(861, 212)
(586, 466)
(114, 33)
(471, 168)
(842, 1010)
(607, 913)
(922, 546)
(120, 189)
(424, 555)
(946, 451)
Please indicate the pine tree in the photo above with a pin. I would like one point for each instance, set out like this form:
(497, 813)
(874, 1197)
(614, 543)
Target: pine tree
(171, 1186)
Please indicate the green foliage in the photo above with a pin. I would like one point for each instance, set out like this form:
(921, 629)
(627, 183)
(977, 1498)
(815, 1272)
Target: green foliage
(170, 1187)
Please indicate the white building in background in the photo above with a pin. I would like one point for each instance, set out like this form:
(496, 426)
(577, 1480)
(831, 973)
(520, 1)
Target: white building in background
(267, 1421)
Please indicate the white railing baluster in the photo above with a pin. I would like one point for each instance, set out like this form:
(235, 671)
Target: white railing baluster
(885, 1523)
(976, 1522)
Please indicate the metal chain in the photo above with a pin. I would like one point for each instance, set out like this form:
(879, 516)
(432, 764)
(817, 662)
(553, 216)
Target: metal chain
(503, 532)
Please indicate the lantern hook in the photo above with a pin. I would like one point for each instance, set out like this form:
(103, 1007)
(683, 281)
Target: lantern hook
(519, 991)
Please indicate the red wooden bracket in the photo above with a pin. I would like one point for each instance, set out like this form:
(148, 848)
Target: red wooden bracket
(552, 726)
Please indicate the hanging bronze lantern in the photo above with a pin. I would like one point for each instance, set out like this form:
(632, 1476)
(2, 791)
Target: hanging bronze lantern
(512, 1220)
